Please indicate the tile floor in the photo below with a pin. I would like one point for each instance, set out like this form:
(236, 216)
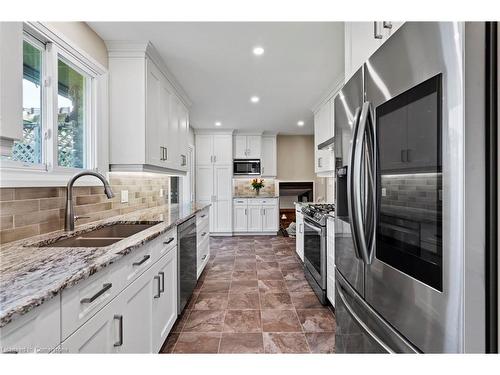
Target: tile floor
(253, 298)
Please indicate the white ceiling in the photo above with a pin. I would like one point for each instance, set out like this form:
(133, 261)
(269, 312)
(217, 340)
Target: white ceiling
(214, 63)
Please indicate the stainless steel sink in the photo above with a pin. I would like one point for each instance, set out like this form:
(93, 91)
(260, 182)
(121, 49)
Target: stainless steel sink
(101, 237)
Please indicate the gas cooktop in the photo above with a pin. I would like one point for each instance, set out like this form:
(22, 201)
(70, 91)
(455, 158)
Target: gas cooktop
(318, 212)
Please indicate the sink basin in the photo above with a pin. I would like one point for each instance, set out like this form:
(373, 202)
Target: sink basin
(101, 237)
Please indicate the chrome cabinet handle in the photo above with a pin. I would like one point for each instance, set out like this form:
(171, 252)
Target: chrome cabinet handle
(376, 34)
(157, 278)
(204, 234)
(165, 149)
(120, 330)
(387, 25)
(204, 257)
(162, 274)
(105, 287)
(215, 159)
(162, 154)
(202, 216)
(245, 212)
(169, 240)
(145, 258)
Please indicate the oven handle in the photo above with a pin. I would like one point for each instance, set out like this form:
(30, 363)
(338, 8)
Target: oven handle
(364, 230)
(350, 194)
(311, 225)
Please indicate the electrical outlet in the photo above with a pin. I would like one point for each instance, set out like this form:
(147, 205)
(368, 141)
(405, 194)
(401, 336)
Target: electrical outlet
(124, 196)
(162, 193)
(384, 192)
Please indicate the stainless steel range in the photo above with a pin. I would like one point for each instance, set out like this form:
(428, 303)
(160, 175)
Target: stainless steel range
(315, 216)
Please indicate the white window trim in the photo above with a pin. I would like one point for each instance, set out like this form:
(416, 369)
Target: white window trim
(15, 175)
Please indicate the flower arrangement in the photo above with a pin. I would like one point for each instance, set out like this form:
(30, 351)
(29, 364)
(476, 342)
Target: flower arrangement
(257, 184)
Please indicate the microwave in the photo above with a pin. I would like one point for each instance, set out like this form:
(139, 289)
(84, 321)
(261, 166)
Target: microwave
(246, 167)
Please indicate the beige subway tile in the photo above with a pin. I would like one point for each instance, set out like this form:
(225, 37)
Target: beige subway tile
(6, 222)
(51, 203)
(51, 226)
(90, 199)
(83, 190)
(36, 193)
(15, 234)
(19, 207)
(6, 194)
(90, 208)
(22, 220)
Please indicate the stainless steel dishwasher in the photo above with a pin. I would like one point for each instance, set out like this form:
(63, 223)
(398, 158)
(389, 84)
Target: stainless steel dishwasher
(186, 261)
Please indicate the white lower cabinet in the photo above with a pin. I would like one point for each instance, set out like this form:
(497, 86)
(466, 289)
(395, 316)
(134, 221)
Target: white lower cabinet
(138, 319)
(202, 240)
(39, 331)
(299, 232)
(255, 215)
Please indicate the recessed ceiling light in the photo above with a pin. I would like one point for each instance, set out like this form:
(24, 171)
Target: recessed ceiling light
(258, 50)
(218, 123)
(254, 99)
(300, 123)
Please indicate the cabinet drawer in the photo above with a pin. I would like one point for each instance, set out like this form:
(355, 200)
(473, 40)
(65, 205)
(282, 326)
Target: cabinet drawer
(203, 250)
(164, 243)
(202, 233)
(240, 202)
(202, 218)
(261, 201)
(82, 301)
(38, 331)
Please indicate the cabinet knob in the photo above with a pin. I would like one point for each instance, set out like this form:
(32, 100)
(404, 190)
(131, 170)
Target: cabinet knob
(376, 33)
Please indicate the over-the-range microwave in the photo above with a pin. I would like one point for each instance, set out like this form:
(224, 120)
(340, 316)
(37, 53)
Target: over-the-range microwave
(246, 167)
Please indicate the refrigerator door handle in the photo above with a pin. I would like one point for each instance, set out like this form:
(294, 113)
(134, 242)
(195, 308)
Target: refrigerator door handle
(351, 170)
(364, 221)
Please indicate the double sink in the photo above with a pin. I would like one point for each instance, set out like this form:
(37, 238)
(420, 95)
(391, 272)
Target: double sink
(101, 237)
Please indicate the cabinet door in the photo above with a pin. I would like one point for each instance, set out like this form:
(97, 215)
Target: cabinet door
(268, 162)
(240, 222)
(223, 149)
(204, 149)
(269, 218)
(299, 234)
(137, 302)
(155, 137)
(254, 146)
(240, 147)
(165, 306)
(255, 218)
(361, 43)
(174, 134)
(183, 136)
(222, 181)
(100, 334)
(204, 183)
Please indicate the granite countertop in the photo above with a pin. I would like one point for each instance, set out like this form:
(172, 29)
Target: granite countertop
(31, 275)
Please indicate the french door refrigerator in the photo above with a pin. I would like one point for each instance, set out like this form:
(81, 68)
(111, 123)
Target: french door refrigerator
(410, 220)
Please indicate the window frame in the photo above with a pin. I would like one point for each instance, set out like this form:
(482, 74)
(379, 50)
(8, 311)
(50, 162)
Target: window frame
(49, 173)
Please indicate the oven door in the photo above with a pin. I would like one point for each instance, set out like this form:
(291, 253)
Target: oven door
(315, 251)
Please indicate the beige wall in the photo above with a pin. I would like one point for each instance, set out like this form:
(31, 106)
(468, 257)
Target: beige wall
(83, 37)
(295, 157)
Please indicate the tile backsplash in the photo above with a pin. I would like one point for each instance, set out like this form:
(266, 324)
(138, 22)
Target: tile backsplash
(242, 186)
(413, 190)
(26, 212)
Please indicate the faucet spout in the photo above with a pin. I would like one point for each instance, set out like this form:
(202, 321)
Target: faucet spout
(69, 217)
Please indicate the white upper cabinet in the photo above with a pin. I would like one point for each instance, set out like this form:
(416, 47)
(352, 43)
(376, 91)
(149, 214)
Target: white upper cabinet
(362, 39)
(149, 122)
(269, 156)
(324, 130)
(11, 78)
(247, 146)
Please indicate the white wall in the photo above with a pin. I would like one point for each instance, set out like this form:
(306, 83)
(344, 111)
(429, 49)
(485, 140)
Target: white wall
(83, 37)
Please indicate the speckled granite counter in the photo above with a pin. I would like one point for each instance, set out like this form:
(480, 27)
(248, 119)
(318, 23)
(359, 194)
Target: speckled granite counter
(260, 196)
(31, 275)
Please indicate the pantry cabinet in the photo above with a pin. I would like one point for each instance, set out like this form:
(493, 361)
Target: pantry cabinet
(256, 215)
(214, 172)
(362, 39)
(149, 121)
(247, 146)
(323, 131)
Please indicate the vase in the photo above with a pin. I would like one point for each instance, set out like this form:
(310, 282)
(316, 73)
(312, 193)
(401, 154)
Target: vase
(257, 191)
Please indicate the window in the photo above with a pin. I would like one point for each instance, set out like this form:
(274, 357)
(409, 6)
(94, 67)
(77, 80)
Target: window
(60, 107)
(29, 149)
(71, 116)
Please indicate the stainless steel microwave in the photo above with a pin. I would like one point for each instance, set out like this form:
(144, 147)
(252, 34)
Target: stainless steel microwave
(246, 167)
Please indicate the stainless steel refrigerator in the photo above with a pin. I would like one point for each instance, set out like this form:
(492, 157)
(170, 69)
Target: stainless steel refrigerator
(410, 221)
